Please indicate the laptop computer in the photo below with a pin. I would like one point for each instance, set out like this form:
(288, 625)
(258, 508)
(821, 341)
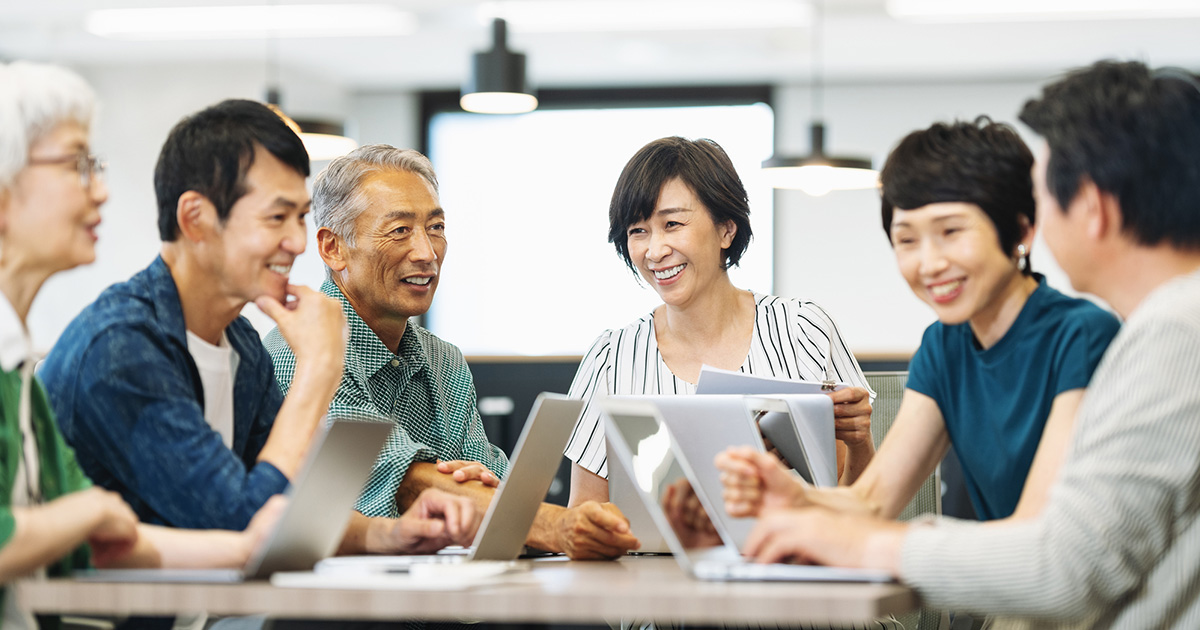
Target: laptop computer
(311, 526)
(501, 535)
(623, 493)
(703, 426)
(801, 427)
(644, 446)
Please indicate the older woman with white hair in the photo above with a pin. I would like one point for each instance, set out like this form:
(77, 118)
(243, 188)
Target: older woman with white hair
(51, 190)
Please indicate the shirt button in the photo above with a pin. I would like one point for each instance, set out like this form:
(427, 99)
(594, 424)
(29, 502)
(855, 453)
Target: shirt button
(395, 362)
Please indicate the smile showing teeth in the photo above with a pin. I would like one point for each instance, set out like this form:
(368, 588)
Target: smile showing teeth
(663, 274)
(422, 281)
(282, 270)
(944, 289)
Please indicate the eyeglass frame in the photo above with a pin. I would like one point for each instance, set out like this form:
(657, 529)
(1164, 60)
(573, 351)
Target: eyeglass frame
(89, 166)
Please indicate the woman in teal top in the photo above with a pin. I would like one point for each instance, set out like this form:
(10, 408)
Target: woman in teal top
(1000, 374)
(51, 191)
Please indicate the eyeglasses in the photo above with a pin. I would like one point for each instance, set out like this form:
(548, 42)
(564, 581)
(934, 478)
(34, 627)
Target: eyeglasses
(88, 166)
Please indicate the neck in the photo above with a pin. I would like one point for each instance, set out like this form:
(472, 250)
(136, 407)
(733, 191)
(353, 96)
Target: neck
(389, 329)
(1138, 272)
(20, 283)
(712, 315)
(207, 311)
(991, 324)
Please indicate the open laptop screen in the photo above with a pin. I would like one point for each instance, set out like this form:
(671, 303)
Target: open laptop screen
(656, 470)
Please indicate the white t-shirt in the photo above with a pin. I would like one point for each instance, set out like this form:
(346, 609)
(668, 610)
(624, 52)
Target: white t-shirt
(217, 365)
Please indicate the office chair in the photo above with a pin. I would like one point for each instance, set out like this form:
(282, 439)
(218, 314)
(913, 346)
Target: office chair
(889, 390)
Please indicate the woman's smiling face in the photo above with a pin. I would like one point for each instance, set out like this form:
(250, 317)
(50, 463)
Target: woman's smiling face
(679, 249)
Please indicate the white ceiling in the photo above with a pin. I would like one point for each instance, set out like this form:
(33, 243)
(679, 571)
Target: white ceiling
(862, 44)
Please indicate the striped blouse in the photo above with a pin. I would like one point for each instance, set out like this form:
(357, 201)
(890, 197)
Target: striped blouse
(791, 339)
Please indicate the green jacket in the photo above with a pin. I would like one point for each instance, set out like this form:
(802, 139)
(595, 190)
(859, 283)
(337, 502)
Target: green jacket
(59, 473)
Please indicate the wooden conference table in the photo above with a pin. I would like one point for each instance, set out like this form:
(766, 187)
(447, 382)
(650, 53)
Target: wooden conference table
(553, 591)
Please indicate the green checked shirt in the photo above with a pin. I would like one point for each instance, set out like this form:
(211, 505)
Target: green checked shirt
(426, 389)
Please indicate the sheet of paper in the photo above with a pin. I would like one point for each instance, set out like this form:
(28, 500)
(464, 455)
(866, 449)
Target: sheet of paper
(428, 577)
(717, 381)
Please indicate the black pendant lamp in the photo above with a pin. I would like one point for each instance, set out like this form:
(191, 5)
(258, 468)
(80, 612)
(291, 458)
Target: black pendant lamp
(818, 173)
(323, 139)
(497, 82)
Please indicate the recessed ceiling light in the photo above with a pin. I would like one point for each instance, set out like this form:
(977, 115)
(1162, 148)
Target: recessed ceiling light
(645, 15)
(236, 22)
(1038, 10)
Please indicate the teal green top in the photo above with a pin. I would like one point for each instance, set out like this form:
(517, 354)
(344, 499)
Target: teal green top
(425, 389)
(59, 473)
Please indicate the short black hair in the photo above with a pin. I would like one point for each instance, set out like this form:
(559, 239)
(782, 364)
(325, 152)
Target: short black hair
(1135, 133)
(982, 162)
(701, 164)
(211, 151)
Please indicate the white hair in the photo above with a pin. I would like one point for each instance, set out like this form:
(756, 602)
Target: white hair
(337, 198)
(34, 99)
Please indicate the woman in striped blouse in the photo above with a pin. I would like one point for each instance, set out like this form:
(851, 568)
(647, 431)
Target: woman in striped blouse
(679, 218)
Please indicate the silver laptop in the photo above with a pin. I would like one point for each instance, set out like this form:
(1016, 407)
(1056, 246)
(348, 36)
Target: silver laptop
(703, 426)
(501, 535)
(623, 493)
(646, 449)
(801, 427)
(311, 526)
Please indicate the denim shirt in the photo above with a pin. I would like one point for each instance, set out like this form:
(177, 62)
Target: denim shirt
(129, 400)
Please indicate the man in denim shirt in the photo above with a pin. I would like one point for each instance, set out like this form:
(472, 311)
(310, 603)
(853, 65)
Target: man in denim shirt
(165, 392)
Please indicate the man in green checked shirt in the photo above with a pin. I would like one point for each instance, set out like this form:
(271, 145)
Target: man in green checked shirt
(381, 233)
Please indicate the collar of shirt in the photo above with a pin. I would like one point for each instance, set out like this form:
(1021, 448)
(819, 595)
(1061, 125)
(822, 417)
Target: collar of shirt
(15, 344)
(164, 296)
(366, 354)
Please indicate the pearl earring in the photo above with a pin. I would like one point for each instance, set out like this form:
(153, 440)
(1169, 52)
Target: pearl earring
(1021, 253)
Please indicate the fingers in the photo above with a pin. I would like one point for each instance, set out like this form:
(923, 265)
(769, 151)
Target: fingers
(458, 513)
(426, 534)
(606, 518)
(271, 307)
(764, 533)
(741, 485)
(592, 531)
(849, 395)
(118, 523)
(779, 547)
(464, 471)
(313, 324)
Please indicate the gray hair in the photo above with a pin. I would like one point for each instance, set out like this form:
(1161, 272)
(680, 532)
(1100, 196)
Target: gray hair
(34, 99)
(338, 199)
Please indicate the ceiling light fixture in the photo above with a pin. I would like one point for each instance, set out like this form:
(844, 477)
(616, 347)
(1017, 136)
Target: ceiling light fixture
(497, 81)
(573, 16)
(818, 173)
(251, 22)
(1039, 10)
(323, 139)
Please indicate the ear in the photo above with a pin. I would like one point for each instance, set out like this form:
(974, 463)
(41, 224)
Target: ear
(1028, 232)
(196, 216)
(728, 232)
(332, 249)
(1101, 211)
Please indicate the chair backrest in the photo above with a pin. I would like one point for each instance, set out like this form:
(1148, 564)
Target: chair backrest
(889, 390)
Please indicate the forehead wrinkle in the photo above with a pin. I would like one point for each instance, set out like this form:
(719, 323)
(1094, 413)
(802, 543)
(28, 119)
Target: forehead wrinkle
(409, 215)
